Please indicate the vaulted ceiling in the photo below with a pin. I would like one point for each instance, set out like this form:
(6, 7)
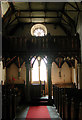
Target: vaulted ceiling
(64, 14)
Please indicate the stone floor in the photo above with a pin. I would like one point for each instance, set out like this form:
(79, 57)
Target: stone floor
(22, 112)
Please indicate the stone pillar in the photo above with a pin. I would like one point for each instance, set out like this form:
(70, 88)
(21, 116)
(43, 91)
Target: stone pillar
(27, 90)
(49, 80)
(79, 76)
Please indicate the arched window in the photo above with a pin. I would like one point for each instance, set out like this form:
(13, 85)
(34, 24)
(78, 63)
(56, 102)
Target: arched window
(39, 70)
(43, 73)
(38, 30)
(35, 72)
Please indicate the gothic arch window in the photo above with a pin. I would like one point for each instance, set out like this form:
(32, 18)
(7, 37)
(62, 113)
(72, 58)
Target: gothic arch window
(43, 73)
(39, 69)
(35, 71)
(38, 30)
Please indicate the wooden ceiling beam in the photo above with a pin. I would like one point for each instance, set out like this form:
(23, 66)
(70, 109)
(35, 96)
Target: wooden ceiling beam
(29, 5)
(68, 17)
(72, 6)
(37, 17)
(30, 10)
(77, 6)
(12, 21)
(64, 29)
(12, 6)
(13, 9)
(71, 21)
(38, 22)
(47, 10)
(8, 15)
(66, 22)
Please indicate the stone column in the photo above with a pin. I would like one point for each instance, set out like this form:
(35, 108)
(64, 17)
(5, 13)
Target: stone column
(79, 76)
(49, 80)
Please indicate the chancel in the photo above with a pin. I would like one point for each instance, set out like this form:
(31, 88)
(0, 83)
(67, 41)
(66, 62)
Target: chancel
(41, 65)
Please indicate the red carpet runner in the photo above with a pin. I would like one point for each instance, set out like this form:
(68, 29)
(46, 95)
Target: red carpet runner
(38, 112)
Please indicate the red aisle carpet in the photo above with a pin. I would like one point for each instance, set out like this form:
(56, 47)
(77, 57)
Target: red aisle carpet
(38, 112)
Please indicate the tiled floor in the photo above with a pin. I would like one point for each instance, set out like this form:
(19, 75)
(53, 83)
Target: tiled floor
(53, 113)
(22, 112)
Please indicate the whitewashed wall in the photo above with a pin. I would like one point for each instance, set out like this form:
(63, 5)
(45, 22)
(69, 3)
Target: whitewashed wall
(66, 74)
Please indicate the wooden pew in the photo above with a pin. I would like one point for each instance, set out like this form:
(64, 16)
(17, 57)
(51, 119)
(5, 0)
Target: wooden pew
(68, 101)
(9, 102)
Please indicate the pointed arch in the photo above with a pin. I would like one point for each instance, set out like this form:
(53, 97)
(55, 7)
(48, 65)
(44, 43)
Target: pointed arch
(35, 72)
(66, 73)
(54, 73)
(43, 73)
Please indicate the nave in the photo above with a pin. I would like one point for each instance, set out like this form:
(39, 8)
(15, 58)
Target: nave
(64, 105)
(41, 56)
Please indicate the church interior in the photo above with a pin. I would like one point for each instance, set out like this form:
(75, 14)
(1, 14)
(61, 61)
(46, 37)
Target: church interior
(41, 64)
